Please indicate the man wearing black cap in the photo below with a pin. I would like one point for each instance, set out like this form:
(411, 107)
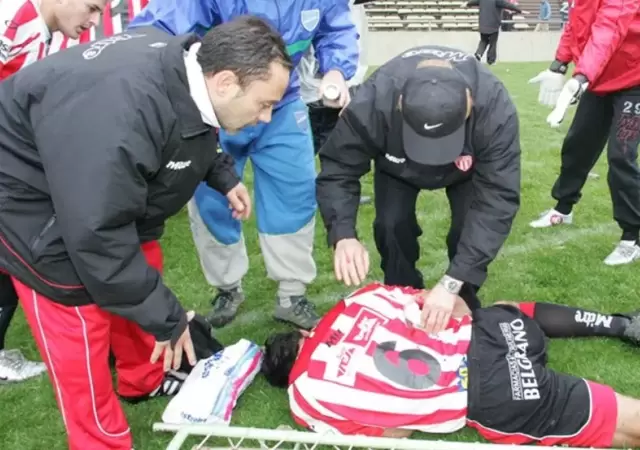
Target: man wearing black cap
(431, 118)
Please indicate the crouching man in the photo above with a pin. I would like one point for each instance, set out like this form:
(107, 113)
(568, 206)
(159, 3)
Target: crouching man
(99, 145)
(486, 370)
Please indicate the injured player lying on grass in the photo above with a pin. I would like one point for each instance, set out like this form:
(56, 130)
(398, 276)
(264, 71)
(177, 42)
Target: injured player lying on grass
(367, 369)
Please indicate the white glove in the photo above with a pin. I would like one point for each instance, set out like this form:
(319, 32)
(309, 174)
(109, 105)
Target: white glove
(551, 84)
(570, 93)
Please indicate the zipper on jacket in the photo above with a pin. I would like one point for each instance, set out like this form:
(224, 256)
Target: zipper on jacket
(44, 231)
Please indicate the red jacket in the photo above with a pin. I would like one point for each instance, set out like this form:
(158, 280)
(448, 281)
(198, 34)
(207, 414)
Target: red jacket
(602, 39)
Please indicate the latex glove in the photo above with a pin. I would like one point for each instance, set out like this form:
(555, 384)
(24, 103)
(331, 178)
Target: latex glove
(551, 84)
(571, 92)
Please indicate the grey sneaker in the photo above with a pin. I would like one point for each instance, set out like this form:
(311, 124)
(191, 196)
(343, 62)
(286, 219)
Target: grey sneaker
(626, 252)
(225, 307)
(14, 367)
(301, 313)
(632, 332)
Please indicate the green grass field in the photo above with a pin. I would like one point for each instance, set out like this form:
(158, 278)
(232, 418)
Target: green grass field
(562, 265)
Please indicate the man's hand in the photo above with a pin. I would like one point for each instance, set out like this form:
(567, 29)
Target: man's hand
(334, 90)
(350, 262)
(437, 309)
(173, 357)
(570, 94)
(239, 202)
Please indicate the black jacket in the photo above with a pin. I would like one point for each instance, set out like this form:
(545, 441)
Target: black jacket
(370, 128)
(99, 145)
(490, 14)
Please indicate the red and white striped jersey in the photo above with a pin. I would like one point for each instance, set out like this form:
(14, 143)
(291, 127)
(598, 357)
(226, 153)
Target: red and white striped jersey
(366, 368)
(115, 18)
(24, 36)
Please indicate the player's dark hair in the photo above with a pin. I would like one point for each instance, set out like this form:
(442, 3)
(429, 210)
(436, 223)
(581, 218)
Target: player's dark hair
(280, 352)
(246, 46)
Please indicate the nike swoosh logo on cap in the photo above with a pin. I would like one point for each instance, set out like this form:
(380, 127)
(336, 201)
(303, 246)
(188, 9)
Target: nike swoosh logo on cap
(432, 127)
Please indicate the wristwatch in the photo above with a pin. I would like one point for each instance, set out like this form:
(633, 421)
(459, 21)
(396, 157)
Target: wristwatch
(558, 67)
(451, 285)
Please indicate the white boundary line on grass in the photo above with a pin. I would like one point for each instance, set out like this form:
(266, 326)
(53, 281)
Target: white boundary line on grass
(547, 241)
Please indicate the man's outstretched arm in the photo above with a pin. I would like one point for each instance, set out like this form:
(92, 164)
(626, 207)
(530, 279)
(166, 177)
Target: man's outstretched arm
(560, 321)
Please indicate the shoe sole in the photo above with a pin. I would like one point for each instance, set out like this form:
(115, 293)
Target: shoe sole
(6, 381)
(211, 320)
(278, 319)
(216, 324)
(610, 264)
(551, 225)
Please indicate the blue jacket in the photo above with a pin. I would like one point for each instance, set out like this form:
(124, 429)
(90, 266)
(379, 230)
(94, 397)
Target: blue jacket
(325, 24)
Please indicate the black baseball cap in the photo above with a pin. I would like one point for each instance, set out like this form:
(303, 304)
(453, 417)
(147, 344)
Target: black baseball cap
(434, 112)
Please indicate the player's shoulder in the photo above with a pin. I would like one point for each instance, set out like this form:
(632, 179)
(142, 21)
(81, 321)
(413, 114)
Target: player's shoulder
(19, 19)
(22, 34)
(135, 56)
(16, 13)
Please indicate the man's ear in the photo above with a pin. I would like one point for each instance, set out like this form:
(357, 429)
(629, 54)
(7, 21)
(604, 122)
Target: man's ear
(222, 82)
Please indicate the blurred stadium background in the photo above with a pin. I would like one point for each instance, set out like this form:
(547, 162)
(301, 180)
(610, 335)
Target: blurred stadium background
(394, 26)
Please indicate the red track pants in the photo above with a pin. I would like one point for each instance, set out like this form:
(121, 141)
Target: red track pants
(74, 343)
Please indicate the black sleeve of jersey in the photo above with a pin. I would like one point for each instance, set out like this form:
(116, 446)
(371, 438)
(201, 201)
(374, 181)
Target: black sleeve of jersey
(96, 150)
(496, 183)
(344, 159)
(222, 175)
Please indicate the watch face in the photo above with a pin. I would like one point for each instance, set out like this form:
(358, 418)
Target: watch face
(452, 286)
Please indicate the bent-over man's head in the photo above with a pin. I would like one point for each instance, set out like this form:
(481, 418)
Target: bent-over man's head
(246, 68)
(435, 103)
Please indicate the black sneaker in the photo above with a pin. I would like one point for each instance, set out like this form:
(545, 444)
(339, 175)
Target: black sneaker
(170, 385)
(225, 307)
(173, 381)
(301, 313)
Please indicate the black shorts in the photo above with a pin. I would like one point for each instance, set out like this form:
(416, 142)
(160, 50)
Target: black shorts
(515, 399)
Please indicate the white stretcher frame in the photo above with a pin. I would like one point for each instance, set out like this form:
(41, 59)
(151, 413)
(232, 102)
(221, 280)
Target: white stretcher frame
(267, 439)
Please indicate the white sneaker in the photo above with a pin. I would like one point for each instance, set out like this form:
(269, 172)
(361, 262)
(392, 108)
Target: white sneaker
(552, 218)
(14, 367)
(626, 252)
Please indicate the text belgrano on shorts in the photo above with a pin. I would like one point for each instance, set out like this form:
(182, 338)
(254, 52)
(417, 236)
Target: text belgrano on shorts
(524, 384)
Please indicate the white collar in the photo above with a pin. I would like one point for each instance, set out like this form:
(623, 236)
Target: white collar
(198, 88)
